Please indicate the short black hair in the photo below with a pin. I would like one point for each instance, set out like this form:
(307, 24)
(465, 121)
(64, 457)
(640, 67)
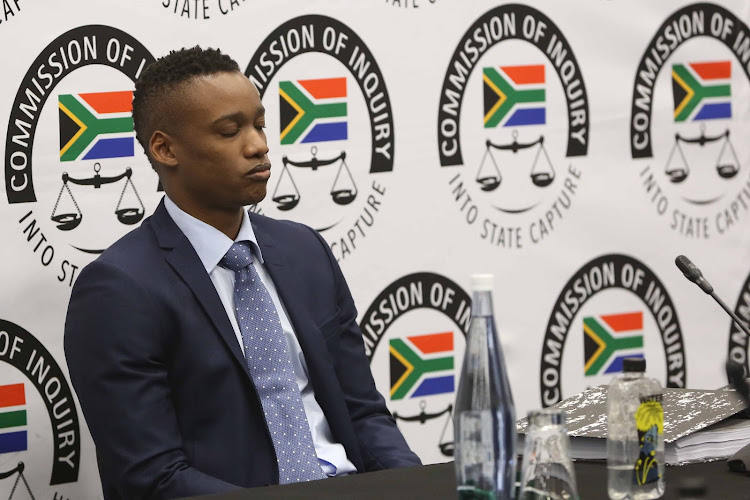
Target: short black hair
(163, 77)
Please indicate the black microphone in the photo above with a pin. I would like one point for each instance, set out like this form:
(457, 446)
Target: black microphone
(692, 273)
(695, 275)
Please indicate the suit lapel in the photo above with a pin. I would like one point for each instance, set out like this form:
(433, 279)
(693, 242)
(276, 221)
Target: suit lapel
(285, 280)
(285, 276)
(282, 264)
(180, 254)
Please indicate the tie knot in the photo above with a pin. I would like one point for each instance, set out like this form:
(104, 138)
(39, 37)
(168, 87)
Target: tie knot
(238, 257)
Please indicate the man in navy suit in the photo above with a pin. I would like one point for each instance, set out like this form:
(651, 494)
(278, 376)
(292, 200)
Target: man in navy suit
(152, 339)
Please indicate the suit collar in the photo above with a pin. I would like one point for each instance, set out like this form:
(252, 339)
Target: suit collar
(266, 241)
(209, 243)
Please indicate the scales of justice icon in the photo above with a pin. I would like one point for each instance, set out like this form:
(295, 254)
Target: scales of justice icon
(446, 445)
(677, 168)
(489, 176)
(17, 470)
(343, 191)
(128, 215)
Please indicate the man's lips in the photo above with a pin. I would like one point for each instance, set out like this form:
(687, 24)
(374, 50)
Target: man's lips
(260, 172)
(262, 167)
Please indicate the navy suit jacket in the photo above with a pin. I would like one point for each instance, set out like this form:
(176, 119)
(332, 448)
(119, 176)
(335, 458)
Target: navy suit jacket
(162, 380)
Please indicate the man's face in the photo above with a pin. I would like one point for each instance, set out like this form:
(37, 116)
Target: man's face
(219, 143)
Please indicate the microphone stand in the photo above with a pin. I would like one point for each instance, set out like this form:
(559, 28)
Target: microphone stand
(731, 313)
(740, 461)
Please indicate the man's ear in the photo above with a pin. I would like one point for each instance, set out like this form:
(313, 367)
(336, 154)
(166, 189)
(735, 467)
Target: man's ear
(161, 148)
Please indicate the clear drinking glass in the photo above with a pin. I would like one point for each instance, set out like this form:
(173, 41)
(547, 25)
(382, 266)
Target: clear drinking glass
(547, 469)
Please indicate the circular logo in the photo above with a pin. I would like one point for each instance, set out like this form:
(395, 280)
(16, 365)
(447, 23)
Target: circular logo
(509, 132)
(73, 170)
(414, 333)
(37, 447)
(690, 171)
(333, 137)
(612, 308)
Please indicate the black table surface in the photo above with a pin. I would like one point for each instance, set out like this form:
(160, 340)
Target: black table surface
(438, 482)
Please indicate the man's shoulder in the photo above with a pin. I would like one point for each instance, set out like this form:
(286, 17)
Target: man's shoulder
(279, 228)
(291, 242)
(137, 246)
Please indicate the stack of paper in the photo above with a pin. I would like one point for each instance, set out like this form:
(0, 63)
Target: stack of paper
(696, 424)
(720, 440)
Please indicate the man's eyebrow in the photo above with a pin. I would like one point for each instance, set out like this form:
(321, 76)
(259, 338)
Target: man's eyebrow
(237, 116)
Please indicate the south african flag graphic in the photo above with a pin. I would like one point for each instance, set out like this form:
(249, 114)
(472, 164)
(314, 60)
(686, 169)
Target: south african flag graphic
(13, 433)
(608, 339)
(96, 125)
(702, 91)
(422, 365)
(514, 96)
(313, 110)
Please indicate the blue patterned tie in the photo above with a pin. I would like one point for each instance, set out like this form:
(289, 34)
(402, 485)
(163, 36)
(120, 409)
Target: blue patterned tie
(270, 364)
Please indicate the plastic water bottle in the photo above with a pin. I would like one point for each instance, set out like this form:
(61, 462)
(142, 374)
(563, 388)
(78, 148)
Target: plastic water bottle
(485, 418)
(635, 439)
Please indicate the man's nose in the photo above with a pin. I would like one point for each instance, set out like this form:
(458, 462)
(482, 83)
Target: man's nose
(255, 144)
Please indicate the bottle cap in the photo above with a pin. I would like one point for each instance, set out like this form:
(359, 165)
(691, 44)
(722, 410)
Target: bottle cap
(634, 365)
(482, 282)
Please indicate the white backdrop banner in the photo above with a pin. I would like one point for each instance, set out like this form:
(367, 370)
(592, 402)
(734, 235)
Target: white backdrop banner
(573, 149)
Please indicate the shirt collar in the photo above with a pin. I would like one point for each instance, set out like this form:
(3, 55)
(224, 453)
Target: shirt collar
(209, 243)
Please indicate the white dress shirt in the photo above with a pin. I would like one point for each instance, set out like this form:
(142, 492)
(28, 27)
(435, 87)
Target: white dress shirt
(211, 244)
